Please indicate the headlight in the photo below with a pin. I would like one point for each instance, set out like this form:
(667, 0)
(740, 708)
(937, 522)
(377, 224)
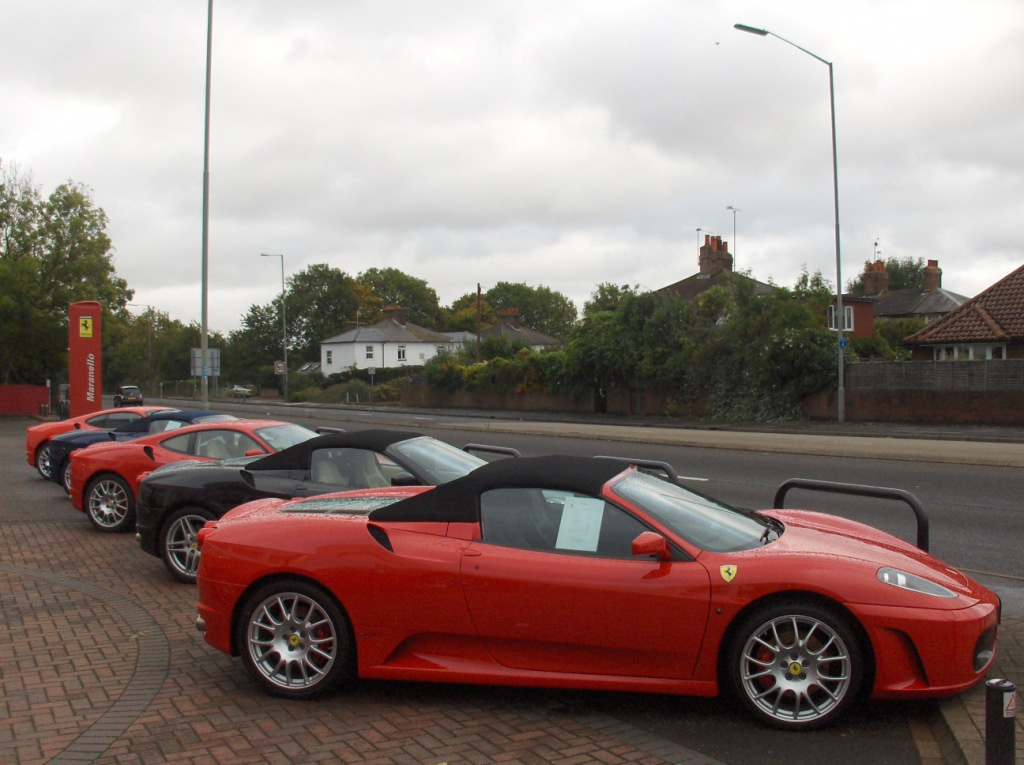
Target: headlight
(914, 583)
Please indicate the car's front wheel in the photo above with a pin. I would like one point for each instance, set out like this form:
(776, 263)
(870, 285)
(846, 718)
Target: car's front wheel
(294, 639)
(109, 503)
(178, 545)
(43, 465)
(796, 665)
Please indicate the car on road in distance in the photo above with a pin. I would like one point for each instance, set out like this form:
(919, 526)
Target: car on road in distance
(157, 422)
(239, 391)
(128, 395)
(588, 573)
(37, 437)
(105, 477)
(176, 500)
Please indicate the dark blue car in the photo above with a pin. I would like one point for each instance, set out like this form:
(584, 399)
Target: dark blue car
(157, 422)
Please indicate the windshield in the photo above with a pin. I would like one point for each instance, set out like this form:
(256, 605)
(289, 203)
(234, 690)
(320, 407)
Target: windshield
(705, 522)
(285, 435)
(434, 460)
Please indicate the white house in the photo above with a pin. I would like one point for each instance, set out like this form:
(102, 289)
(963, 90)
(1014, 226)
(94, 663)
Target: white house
(391, 342)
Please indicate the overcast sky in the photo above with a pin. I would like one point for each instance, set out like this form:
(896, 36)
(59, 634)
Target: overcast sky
(560, 143)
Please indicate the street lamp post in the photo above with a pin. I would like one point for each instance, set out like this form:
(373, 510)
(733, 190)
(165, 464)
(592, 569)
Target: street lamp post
(284, 320)
(204, 331)
(735, 246)
(840, 394)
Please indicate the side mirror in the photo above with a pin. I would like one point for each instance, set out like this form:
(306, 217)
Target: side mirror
(404, 479)
(652, 545)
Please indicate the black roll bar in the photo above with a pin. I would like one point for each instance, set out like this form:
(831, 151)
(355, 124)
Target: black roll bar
(856, 489)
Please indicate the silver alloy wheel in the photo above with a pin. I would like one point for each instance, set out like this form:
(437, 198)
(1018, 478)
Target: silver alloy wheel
(181, 550)
(292, 641)
(109, 504)
(795, 668)
(65, 477)
(43, 460)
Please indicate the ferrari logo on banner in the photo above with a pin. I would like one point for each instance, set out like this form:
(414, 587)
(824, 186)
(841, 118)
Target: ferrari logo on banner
(85, 326)
(728, 572)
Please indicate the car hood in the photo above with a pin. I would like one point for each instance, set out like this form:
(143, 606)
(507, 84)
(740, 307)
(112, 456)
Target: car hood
(810, 534)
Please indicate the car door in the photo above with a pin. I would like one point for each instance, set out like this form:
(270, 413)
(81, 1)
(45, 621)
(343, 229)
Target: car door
(552, 586)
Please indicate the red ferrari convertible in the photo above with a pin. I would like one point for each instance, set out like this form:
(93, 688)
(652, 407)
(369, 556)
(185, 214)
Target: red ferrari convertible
(588, 573)
(105, 477)
(37, 437)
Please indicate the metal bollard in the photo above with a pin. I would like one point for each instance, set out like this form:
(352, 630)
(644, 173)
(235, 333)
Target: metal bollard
(1000, 711)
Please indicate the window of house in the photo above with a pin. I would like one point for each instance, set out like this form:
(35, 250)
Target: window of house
(369, 351)
(401, 353)
(330, 357)
(969, 353)
(847, 318)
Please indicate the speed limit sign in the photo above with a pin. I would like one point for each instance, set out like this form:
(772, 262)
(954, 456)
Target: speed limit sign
(279, 368)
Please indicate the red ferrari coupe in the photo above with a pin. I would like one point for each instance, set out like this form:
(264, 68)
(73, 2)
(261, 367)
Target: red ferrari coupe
(588, 573)
(37, 437)
(105, 477)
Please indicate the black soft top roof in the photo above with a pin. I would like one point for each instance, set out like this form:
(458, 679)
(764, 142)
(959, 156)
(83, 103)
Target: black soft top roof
(457, 501)
(141, 424)
(297, 457)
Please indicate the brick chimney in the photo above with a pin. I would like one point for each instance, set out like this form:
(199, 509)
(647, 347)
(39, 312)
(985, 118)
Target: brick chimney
(509, 317)
(714, 256)
(396, 313)
(876, 278)
(931, 277)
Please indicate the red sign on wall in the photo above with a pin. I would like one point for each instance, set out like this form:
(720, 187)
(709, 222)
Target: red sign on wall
(85, 357)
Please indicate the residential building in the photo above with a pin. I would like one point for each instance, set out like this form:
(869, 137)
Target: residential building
(715, 263)
(391, 342)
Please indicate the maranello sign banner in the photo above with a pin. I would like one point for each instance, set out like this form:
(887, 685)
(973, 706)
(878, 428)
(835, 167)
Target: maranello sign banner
(85, 360)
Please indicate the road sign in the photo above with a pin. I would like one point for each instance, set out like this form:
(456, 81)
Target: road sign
(279, 368)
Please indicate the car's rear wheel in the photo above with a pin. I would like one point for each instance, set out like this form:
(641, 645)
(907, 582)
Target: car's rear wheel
(43, 465)
(178, 545)
(294, 639)
(796, 665)
(109, 503)
(65, 475)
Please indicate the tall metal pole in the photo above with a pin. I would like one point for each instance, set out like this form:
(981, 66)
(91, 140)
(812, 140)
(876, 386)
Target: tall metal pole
(735, 246)
(284, 321)
(841, 347)
(204, 342)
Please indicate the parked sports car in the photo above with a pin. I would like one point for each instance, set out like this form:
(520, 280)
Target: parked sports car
(105, 477)
(156, 422)
(37, 437)
(588, 573)
(176, 500)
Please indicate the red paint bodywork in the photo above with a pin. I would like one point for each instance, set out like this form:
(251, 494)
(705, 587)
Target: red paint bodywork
(131, 460)
(37, 435)
(445, 606)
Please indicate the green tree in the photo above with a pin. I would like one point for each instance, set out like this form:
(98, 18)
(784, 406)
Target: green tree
(53, 252)
(461, 315)
(393, 287)
(321, 299)
(608, 296)
(540, 308)
(904, 273)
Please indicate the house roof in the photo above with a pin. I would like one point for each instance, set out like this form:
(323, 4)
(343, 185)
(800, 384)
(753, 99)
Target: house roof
(389, 330)
(914, 302)
(692, 286)
(994, 315)
(519, 334)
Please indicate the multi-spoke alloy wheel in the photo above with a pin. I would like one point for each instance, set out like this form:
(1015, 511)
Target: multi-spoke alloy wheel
(796, 666)
(43, 460)
(109, 504)
(65, 476)
(295, 640)
(178, 545)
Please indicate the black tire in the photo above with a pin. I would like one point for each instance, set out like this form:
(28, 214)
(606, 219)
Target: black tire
(42, 462)
(177, 542)
(110, 504)
(283, 651)
(796, 665)
(65, 475)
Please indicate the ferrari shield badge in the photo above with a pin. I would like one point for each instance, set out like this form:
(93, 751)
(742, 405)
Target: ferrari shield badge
(728, 572)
